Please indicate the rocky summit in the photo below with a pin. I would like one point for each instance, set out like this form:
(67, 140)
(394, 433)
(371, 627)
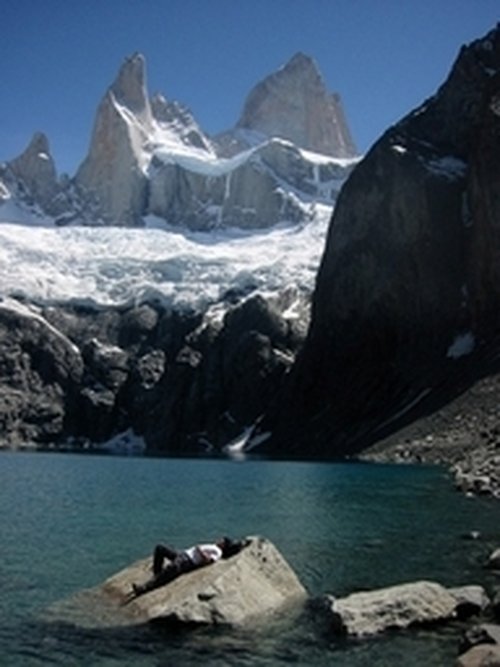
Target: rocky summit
(290, 150)
(406, 306)
(294, 104)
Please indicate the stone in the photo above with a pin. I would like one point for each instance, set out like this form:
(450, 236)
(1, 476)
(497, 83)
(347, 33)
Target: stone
(484, 633)
(470, 600)
(239, 591)
(484, 655)
(372, 612)
(494, 560)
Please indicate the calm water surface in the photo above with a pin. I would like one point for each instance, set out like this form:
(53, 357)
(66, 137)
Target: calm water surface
(68, 521)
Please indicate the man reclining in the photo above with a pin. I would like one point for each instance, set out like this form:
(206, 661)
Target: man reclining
(180, 562)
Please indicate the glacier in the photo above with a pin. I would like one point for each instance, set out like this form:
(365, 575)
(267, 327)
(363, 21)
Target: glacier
(110, 266)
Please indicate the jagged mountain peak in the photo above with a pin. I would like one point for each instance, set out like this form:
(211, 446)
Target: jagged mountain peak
(129, 88)
(178, 118)
(294, 104)
(38, 146)
(298, 64)
(35, 168)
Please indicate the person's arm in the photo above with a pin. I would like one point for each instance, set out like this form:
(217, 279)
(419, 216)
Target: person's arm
(202, 556)
(209, 553)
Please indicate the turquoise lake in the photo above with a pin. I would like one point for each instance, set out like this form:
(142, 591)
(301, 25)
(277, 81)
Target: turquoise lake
(70, 521)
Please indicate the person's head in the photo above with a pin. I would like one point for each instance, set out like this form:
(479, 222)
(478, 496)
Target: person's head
(229, 547)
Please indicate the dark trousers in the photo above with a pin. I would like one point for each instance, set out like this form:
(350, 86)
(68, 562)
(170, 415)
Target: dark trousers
(161, 553)
(163, 574)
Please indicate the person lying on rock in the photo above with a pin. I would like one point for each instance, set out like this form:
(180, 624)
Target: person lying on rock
(180, 562)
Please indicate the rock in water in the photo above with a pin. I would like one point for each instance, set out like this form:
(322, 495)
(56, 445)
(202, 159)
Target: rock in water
(234, 592)
(485, 655)
(369, 613)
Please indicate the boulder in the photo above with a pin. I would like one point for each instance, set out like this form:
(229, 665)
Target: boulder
(470, 600)
(494, 560)
(233, 592)
(369, 613)
(485, 633)
(485, 655)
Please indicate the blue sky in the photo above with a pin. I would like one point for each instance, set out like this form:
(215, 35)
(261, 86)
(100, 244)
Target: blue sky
(383, 56)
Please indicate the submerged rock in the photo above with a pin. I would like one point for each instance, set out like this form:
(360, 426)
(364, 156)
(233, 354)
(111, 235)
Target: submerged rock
(371, 612)
(233, 592)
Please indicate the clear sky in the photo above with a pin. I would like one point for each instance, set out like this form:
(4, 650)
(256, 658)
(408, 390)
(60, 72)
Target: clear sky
(58, 57)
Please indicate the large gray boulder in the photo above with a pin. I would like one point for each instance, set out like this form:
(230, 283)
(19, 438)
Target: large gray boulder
(238, 591)
(484, 655)
(372, 612)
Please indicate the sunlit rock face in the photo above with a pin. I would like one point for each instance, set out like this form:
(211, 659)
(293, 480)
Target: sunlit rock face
(290, 150)
(408, 290)
(294, 104)
(113, 170)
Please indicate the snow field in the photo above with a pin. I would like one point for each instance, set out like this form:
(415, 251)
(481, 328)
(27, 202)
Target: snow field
(109, 266)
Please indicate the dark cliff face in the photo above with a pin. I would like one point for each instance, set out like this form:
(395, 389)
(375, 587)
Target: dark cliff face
(408, 290)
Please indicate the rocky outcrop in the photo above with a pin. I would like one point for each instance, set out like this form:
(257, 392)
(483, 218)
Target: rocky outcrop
(408, 291)
(35, 168)
(178, 119)
(480, 647)
(30, 189)
(369, 613)
(483, 655)
(257, 190)
(40, 369)
(181, 381)
(294, 104)
(239, 591)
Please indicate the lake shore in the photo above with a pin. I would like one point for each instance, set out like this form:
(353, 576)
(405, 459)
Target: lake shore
(464, 435)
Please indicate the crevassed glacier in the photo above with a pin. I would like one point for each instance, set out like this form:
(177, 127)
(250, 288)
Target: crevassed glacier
(109, 266)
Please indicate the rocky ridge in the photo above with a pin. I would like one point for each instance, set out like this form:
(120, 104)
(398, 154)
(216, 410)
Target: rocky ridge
(149, 157)
(405, 309)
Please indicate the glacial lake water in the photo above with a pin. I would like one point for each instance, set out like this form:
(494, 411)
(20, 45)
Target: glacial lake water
(69, 521)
